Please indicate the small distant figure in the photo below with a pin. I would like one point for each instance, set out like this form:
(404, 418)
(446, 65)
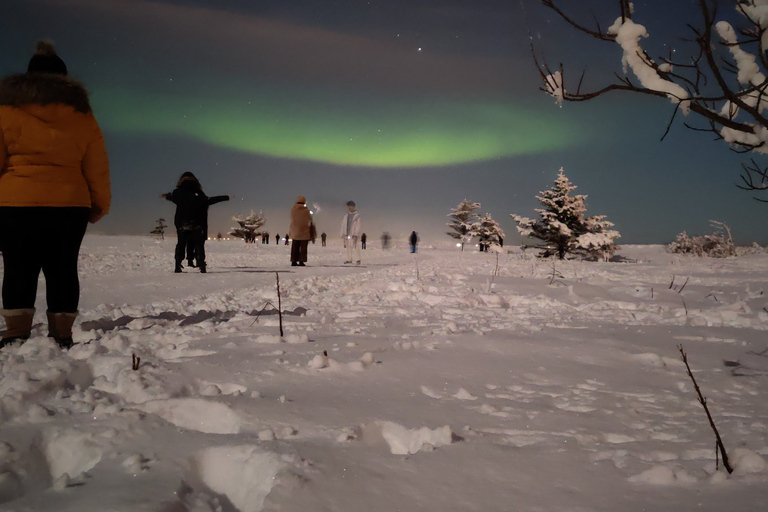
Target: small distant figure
(300, 232)
(277, 238)
(363, 239)
(287, 239)
(350, 231)
(323, 237)
(385, 238)
(191, 219)
(413, 240)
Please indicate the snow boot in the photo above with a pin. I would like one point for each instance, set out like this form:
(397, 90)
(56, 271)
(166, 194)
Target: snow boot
(18, 326)
(60, 328)
(203, 269)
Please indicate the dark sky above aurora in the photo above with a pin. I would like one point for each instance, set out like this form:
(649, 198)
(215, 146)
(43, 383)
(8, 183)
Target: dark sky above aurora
(405, 106)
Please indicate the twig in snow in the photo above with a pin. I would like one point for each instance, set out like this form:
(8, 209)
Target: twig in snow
(703, 402)
(685, 283)
(279, 304)
(135, 362)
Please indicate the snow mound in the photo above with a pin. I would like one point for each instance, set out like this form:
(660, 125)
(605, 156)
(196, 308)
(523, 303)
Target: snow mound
(404, 441)
(663, 475)
(243, 474)
(746, 461)
(151, 382)
(69, 452)
(195, 414)
(323, 362)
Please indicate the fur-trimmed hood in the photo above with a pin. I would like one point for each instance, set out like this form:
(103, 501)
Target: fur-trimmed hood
(43, 89)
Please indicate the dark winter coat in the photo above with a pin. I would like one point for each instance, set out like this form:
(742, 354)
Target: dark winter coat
(51, 148)
(414, 238)
(192, 205)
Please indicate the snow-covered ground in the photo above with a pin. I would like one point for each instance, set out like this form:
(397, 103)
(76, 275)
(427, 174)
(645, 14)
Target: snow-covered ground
(406, 384)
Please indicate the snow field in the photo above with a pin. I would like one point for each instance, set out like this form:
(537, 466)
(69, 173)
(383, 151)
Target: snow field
(411, 383)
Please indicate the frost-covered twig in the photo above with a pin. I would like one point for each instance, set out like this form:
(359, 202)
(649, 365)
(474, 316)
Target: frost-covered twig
(703, 402)
(135, 362)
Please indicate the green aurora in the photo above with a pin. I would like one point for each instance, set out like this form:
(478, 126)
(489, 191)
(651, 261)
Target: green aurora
(348, 131)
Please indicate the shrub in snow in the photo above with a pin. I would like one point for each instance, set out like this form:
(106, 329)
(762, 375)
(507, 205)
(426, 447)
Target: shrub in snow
(563, 228)
(248, 227)
(719, 244)
(463, 221)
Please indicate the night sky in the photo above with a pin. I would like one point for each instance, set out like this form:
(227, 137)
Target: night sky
(404, 106)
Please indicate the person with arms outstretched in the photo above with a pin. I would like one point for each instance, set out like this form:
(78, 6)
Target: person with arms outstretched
(191, 218)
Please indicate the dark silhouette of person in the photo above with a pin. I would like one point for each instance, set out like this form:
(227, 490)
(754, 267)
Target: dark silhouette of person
(191, 218)
(363, 239)
(385, 240)
(277, 238)
(413, 240)
(323, 237)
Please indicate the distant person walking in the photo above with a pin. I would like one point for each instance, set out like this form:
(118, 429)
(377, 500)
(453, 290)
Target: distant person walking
(191, 218)
(323, 236)
(54, 176)
(363, 239)
(350, 232)
(385, 240)
(300, 232)
(413, 240)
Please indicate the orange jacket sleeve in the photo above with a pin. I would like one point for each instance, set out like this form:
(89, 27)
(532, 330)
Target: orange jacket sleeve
(96, 172)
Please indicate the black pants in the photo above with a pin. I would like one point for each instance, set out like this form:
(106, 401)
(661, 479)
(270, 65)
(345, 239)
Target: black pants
(196, 239)
(190, 251)
(41, 238)
(299, 251)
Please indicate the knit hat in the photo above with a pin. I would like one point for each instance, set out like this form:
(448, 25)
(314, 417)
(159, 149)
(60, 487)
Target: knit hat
(45, 60)
(351, 203)
(302, 200)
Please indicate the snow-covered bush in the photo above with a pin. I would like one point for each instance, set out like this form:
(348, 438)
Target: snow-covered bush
(248, 226)
(563, 227)
(718, 244)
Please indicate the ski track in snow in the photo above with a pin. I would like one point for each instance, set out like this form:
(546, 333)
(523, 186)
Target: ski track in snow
(403, 357)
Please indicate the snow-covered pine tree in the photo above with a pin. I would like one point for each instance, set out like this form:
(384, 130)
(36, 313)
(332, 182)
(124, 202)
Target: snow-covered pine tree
(562, 218)
(563, 227)
(490, 233)
(248, 226)
(599, 240)
(463, 222)
(160, 228)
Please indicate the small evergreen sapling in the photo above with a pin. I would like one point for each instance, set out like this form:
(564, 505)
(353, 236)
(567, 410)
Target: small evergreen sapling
(463, 222)
(563, 228)
(160, 228)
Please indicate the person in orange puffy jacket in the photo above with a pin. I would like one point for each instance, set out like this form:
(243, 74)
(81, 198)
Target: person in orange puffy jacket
(54, 179)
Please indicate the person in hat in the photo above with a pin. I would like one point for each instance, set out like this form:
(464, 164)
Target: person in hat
(300, 232)
(350, 232)
(53, 169)
(191, 218)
